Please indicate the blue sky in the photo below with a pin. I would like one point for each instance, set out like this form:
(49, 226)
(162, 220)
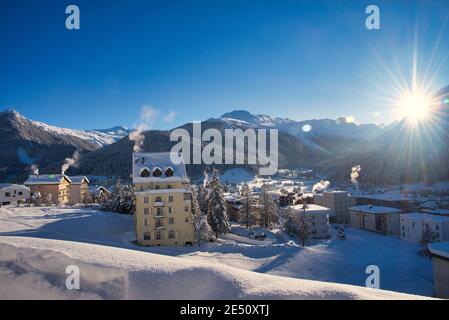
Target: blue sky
(199, 59)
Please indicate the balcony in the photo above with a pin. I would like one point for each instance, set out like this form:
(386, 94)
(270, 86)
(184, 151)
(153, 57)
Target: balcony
(159, 215)
(159, 204)
(159, 227)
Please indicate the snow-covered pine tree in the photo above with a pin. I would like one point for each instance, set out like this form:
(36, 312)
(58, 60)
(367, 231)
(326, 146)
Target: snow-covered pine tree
(216, 207)
(202, 198)
(121, 200)
(268, 207)
(202, 229)
(247, 212)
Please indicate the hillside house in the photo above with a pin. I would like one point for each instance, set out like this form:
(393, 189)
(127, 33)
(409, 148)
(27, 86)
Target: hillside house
(79, 189)
(53, 188)
(12, 194)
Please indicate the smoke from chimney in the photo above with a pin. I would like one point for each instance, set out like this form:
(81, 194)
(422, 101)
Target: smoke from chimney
(35, 169)
(354, 175)
(321, 186)
(147, 116)
(70, 162)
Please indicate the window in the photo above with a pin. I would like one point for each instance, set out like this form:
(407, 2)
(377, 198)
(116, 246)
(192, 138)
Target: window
(169, 210)
(186, 208)
(158, 235)
(159, 211)
(146, 222)
(20, 193)
(171, 220)
(168, 186)
(158, 199)
(169, 172)
(159, 223)
(157, 187)
(187, 196)
(146, 210)
(145, 173)
(146, 199)
(7, 194)
(170, 198)
(157, 172)
(187, 220)
(437, 227)
(171, 234)
(146, 236)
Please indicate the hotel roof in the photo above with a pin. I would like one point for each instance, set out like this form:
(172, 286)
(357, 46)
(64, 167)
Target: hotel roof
(46, 179)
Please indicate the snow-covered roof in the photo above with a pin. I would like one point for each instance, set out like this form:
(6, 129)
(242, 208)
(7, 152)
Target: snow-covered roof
(310, 208)
(14, 186)
(440, 248)
(78, 179)
(424, 217)
(162, 161)
(375, 209)
(436, 211)
(46, 179)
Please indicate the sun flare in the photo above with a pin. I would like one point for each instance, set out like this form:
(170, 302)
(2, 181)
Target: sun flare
(415, 106)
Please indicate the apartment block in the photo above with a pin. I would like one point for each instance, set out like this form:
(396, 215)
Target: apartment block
(379, 219)
(163, 200)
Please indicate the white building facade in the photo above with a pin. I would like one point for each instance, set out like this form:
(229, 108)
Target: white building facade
(317, 218)
(11, 194)
(413, 226)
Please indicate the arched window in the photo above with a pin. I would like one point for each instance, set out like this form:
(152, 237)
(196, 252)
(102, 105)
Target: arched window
(169, 172)
(171, 234)
(157, 172)
(145, 173)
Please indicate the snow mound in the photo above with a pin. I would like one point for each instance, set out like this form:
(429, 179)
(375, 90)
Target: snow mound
(33, 268)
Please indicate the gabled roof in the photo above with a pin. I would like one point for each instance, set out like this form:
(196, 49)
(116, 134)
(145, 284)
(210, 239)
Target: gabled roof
(161, 161)
(14, 186)
(46, 179)
(78, 179)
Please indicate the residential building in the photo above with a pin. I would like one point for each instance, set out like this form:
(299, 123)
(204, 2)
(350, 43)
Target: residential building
(338, 202)
(13, 194)
(435, 211)
(98, 192)
(413, 226)
(79, 189)
(163, 200)
(317, 217)
(379, 219)
(53, 188)
(391, 201)
(440, 261)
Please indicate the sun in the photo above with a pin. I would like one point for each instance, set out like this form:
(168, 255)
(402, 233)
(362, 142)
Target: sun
(415, 106)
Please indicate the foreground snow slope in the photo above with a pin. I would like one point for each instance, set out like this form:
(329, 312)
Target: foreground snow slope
(35, 268)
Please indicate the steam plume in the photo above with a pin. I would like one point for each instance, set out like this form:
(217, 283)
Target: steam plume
(35, 169)
(147, 117)
(70, 162)
(321, 186)
(354, 175)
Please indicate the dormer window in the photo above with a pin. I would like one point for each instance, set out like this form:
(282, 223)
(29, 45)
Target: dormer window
(169, 172)
(145, 173)
(157, 172)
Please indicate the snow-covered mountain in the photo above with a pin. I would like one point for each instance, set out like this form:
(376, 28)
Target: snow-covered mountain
(25, 142)
(100, 137)
(335, 137)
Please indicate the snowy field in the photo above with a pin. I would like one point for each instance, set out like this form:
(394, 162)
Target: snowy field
(242, 267)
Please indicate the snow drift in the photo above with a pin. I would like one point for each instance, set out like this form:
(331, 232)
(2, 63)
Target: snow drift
(32, 268)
